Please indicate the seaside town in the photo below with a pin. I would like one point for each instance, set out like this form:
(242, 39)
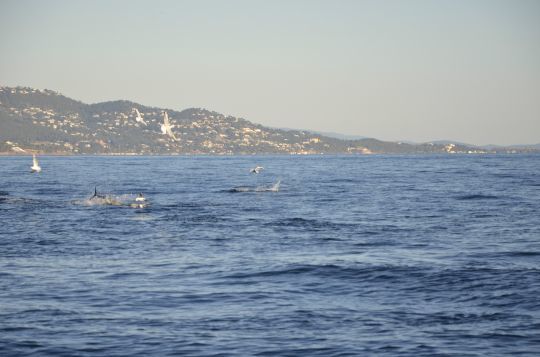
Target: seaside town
(46, 122)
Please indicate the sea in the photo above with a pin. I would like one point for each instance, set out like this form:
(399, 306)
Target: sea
(373, 255)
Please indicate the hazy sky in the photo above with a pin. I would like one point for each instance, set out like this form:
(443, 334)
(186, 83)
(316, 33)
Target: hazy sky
(395, 70)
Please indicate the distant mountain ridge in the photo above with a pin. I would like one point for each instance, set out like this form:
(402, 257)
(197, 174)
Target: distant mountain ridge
(329, 134)
(46, 121)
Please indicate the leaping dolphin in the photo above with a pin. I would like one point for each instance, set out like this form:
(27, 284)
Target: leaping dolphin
(96, 195)
(140, 198)
(256, 170)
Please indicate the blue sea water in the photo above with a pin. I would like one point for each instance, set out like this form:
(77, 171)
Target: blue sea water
(352, 256)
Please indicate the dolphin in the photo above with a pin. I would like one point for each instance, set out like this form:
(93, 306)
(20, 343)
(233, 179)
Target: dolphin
(96, 195)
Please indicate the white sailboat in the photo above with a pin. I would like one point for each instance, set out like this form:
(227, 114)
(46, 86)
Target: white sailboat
(166, 126)
(139, 118)
(35, 167)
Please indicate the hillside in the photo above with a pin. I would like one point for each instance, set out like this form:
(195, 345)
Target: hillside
(48, 122)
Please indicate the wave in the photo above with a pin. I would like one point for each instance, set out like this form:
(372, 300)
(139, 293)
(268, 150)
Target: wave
(449, 318)
(315, 224)
(476, 197)
(273, 188)
(50, 188)
(23, 201)
(334, 271)
(126, 200)
(344, 180)
(523, 254)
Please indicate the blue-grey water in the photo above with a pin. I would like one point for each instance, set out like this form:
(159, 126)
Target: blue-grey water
(353, 256)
